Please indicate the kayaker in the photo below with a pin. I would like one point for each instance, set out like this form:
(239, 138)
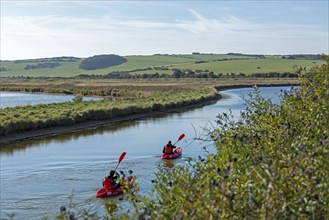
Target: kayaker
(168, 148)
(112, 180)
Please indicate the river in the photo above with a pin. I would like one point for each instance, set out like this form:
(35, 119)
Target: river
(37, 176)
(11, 99)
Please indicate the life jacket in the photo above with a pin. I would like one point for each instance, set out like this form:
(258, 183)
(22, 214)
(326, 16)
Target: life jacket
(168, 149)
(107, 183)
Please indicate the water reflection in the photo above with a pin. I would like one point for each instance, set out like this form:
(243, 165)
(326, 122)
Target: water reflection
(12, 99)
(110, 206)
(11, 148)
(168, 163)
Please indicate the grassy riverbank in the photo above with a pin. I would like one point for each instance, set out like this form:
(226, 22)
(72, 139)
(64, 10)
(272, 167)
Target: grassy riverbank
(121, 98)
(128, 88)
(26, 118)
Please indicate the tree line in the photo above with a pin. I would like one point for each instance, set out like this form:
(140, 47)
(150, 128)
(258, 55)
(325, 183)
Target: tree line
(101, 61)
(53, 59)
(178, 73)
(42, 65)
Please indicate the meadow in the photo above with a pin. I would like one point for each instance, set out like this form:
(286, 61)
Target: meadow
(163, 64)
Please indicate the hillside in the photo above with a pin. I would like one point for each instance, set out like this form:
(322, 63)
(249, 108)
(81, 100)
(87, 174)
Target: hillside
(223, 64)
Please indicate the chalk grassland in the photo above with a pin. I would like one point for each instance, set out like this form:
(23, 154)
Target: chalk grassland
(248, 66)
(217, 63)
(121, 98)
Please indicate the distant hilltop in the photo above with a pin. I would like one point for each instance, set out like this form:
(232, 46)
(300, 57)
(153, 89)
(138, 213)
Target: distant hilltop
(196, 64)
(74, 59)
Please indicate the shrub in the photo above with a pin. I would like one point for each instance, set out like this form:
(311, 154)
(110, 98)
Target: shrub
(271, 163)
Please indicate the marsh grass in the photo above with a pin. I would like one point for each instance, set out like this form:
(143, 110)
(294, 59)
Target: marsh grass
(121, 98)
(25, 118)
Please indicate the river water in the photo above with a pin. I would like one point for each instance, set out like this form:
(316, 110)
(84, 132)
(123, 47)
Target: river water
(38, 176)
(11, 99)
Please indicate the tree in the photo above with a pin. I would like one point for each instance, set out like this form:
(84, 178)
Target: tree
(177, 73)
(101, 61)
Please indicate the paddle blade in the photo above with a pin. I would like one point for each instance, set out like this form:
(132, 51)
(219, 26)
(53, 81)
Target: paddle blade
(181, 137)
(122, 156)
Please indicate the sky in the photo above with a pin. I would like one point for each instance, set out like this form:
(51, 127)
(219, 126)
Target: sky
(38, 29)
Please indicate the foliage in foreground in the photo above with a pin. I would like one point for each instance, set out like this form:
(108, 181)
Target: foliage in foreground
(271, 163)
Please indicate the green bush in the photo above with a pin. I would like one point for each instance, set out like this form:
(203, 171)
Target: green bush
(271, 163)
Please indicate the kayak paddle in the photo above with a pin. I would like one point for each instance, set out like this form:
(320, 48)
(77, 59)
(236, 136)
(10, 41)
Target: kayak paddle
(180, 138)
(120, 159)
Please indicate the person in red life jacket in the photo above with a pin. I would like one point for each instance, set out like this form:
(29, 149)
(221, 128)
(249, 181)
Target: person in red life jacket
(112, 180)
(168, 148)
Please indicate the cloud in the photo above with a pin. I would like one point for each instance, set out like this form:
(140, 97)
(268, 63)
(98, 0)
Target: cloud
(203, 25)
(53, 35)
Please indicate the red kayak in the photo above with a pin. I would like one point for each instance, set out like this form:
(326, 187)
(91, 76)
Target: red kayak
(103, 192)
(177, 153)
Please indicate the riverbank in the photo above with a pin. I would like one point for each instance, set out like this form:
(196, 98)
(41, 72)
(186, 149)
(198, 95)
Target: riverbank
(95, 115)
(51, 131)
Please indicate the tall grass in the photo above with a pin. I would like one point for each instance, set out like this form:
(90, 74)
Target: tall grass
(18, 119)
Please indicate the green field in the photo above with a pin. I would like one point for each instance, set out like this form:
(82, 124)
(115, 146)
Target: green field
(216, 63)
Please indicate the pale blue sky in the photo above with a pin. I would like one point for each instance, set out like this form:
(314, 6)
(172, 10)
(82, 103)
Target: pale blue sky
(35, 29)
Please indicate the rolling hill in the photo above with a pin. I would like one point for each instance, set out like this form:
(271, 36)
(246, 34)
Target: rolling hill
(225, 64)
